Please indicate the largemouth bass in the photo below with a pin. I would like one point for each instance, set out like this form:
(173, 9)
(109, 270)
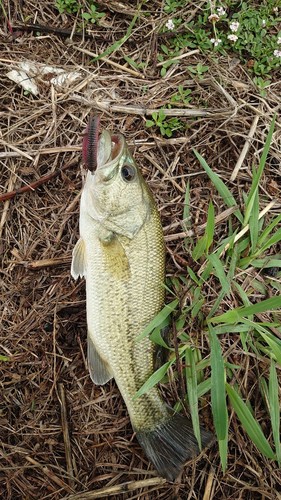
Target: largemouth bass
(121, 254)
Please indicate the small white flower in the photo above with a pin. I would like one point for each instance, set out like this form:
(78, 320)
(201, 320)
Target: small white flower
(263, 23)
(275, 9)
(221, 11)
(234, 26)
(277, 53)
(232, 38)
(213, 18)
(170, 24)
(215, 41)
(279, 40)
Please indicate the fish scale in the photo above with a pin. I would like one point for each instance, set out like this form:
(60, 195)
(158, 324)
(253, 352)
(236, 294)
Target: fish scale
(121, 254)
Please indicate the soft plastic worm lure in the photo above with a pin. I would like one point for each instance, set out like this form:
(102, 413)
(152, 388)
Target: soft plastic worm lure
(90, 143)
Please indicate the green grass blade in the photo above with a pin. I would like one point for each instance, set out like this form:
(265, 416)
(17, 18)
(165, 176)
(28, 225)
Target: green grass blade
(223, 190)
(250, 425)
(199, 248)
(254, 222)
(210, 228)
(267, 262)
(236, 315)
(153, 379)
(274, 407)
(191, 384)
(159, 319)
(156, 335)
(257, 176)
(203, 387)
(218, 397)
(223, 450)
(272, 342)
(193, 276)
(186, 208)
(275, 238)
(266, 232)
(219, 272)
(115, 46)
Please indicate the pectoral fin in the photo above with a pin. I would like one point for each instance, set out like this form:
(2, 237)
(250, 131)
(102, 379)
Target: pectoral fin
(115, 258)
(99, 370)
(78, 265)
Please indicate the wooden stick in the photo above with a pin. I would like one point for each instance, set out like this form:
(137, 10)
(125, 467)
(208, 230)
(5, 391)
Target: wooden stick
(50, 474)
(39, 182)
(246, 228)
(120, 488)
(200, 229)
(142, 111)
(67, 444)
(108, 61)
(245, 148)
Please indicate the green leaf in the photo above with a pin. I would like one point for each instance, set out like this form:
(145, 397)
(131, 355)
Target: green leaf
(191, 383)
(257, 177)
(153, 379)
(271, 341)
(149, 123)
(159, 318)
(219, 272)
(223, 190)
(4, 358)
(120, 42)
(218, 396)
(249, 423)
(157, 337)
(274, 408)
(203, 387)
(86, 16)
(254, 222)
(186, 208)
(200, 248)
(223, 449)
(193, 276)
(267, 262)
(197, 307)
(235, 315)
(275, 238)
(269, 229)
(210, 227)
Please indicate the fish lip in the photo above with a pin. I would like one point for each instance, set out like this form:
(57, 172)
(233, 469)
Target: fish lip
(106, 171)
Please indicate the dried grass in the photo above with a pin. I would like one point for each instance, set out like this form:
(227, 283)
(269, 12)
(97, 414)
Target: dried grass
(60, 435)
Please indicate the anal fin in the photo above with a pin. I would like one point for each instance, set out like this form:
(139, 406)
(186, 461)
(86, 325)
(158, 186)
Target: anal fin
(99, 370)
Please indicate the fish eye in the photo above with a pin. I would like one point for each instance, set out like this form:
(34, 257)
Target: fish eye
(128, 173)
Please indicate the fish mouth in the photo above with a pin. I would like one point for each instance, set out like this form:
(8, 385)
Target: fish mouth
(103, 149)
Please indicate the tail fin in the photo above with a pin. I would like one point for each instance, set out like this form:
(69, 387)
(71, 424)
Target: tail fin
(170, 444)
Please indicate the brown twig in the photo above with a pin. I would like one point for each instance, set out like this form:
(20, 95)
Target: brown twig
(40, 264)
(55, 30)
(65, 430)
(50, 474)
(120, 488)
(36, 184)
